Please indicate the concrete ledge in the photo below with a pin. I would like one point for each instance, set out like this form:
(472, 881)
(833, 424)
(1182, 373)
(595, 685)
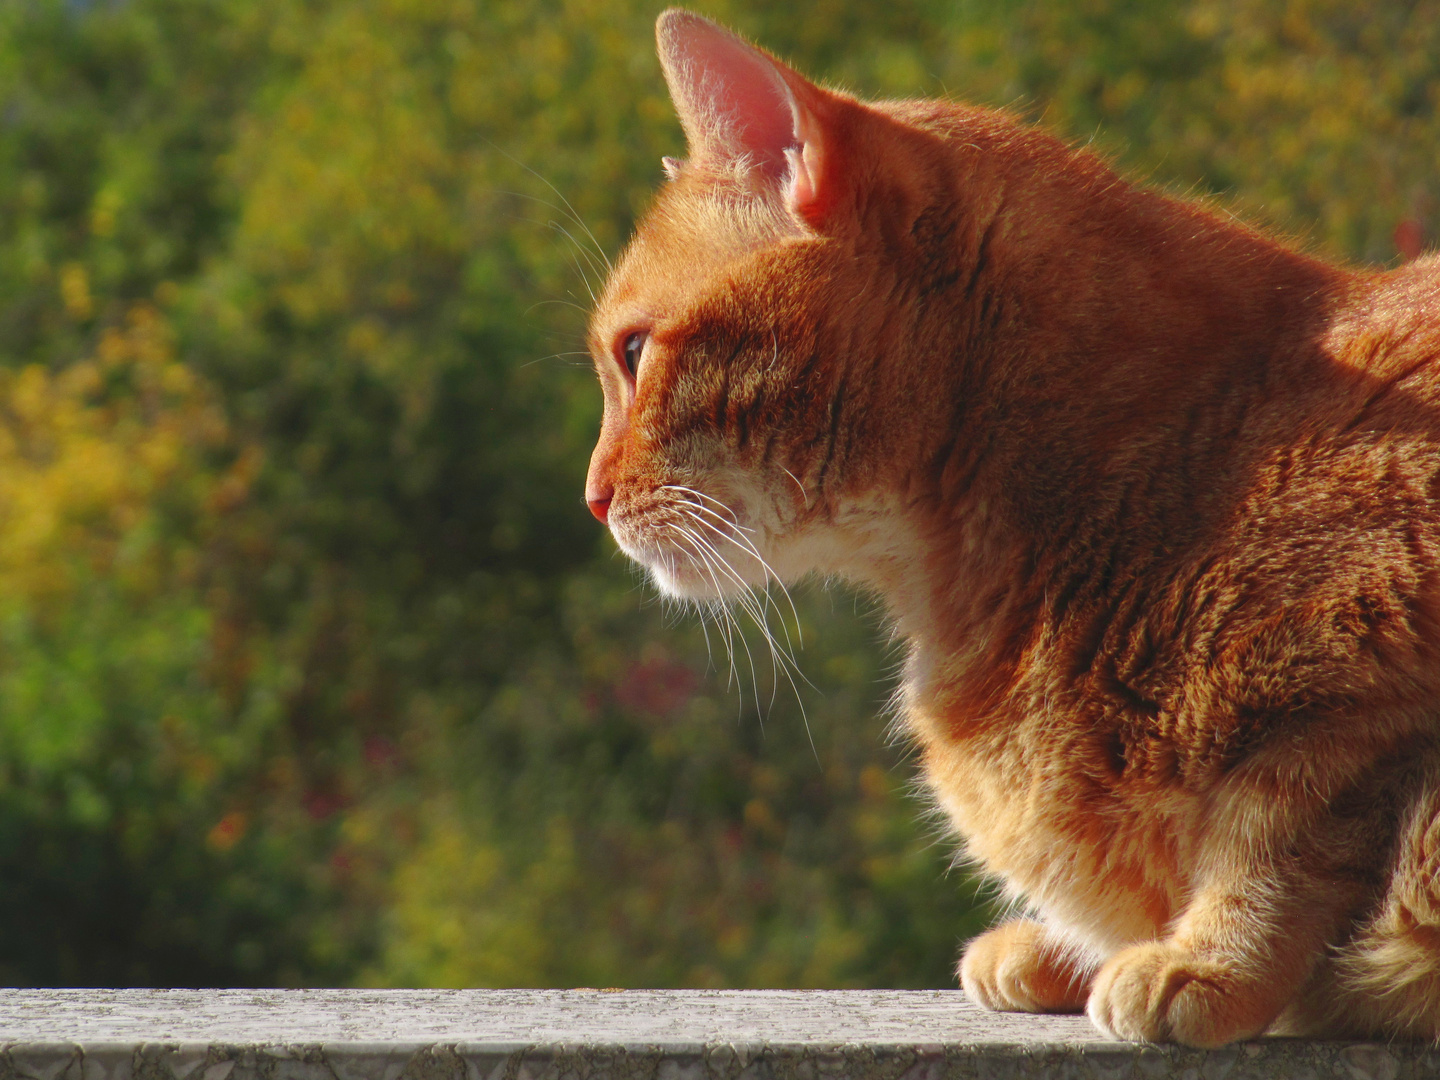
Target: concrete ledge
(621, 1035)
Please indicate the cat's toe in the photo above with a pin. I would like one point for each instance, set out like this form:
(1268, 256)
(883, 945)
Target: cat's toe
(1158, 993)
(980, 973)
(1009, 968)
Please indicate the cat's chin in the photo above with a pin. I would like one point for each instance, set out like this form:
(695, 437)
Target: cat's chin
(679, 575)
(690, 584)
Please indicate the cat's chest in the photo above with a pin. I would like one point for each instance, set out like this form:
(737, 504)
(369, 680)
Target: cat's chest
(1035, 810)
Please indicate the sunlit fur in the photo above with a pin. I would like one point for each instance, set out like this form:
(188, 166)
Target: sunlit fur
(1152, 498)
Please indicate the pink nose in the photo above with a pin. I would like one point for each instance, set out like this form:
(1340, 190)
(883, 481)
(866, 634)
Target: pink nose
(600, 508)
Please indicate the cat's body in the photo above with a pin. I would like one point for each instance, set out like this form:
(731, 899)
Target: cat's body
(1153, 499)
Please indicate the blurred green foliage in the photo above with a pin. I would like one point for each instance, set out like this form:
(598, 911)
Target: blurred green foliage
(313, 667)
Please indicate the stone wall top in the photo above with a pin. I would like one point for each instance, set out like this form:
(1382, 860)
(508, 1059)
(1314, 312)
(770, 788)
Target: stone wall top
(612, 1035)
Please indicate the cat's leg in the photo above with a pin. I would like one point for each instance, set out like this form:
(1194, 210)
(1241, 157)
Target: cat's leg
(1020, 966)
(1238, 955)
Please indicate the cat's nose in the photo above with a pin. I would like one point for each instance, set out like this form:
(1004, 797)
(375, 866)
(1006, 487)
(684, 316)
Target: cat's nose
(600, 480)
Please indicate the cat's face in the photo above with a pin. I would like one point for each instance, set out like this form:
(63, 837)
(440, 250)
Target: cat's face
(716, 340)
(689, 467)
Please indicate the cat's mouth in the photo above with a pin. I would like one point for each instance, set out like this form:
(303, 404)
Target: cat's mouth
(695, 546)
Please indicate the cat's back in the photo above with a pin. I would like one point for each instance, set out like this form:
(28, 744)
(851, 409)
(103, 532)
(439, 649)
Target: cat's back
(1383, 346)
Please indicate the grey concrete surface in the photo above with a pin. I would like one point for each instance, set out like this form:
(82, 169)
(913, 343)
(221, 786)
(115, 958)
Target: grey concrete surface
(621, 1035)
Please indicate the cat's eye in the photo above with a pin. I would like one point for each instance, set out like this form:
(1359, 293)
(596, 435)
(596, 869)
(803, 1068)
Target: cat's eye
(631, 349)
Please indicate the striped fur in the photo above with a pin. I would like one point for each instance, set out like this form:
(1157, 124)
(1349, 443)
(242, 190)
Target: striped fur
(1151, 496)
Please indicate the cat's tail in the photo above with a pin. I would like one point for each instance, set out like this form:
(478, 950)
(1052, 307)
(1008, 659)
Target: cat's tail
(1389, 974)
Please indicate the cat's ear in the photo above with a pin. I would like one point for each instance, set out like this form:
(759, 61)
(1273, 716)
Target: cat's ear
(739, 104)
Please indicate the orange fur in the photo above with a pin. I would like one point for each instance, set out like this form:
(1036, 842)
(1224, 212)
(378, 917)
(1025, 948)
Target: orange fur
(1153, 498)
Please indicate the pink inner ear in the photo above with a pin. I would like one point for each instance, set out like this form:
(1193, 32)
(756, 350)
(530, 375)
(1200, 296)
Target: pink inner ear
(730, 97)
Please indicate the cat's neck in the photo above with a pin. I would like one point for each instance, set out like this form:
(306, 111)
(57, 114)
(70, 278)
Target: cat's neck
(1085, 377)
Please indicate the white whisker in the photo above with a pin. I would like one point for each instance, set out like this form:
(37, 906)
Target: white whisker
(709, 569)
(778, 656)
(567, 209)
(704, 515)
(584, 277)
(748, 546)
(782, 661)
(803, 493)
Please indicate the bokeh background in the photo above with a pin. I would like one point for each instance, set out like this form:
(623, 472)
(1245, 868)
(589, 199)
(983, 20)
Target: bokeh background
(313, 667)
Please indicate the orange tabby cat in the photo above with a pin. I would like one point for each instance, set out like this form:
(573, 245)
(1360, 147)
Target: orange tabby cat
(1153, 498)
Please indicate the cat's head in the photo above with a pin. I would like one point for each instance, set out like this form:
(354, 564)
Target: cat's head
(745, 338)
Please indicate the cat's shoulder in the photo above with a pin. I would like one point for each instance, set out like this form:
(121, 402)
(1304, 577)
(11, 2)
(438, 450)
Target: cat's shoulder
(1400, 307)
(1413, 288)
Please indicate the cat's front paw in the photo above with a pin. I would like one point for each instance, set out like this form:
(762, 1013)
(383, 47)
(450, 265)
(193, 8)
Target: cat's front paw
(1159, 993)
(1015, 967)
